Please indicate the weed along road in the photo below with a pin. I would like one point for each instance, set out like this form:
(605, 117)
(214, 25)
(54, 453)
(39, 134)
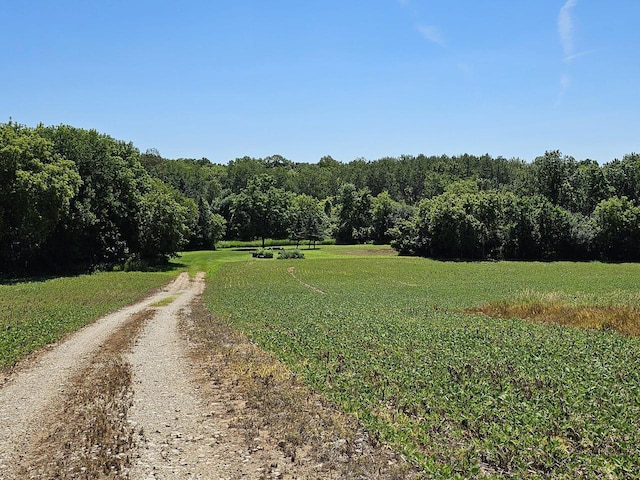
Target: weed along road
(138, 395)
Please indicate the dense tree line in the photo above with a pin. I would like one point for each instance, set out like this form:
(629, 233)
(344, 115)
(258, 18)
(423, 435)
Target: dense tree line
(446, 207)
(77, 197)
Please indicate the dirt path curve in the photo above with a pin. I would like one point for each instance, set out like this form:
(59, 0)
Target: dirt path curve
(30, 389)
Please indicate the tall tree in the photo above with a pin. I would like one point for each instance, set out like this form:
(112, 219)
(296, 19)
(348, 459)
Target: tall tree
(260, 210)
(102, 226)
(209, 229)
(617, 229)
(551, 176)
(165, 220)
(624, 176)
(354, 215)
(36, 189)
(306, 219)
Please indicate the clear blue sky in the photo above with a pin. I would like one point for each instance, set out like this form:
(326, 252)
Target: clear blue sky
(348, 78)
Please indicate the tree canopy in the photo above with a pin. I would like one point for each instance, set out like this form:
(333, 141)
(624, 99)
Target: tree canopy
(78, 199)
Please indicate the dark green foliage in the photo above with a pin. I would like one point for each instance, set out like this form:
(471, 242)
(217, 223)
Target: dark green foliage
(37, 186)
(259, 210)
(493, 225)
(165, 220)
(494, 208)
(386, 213)
(307, 220)
(101, 225)
(75, 199)
(623, 176)
(355, 216)
(193, 178)
(209, 229)
(616, 224)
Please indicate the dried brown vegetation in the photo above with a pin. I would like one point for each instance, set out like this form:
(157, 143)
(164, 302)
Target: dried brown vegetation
(621, 319)
(89, 436)
(271, 404)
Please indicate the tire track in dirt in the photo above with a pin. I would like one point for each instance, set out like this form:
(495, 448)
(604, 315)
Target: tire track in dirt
(292, 272)
(185, 435)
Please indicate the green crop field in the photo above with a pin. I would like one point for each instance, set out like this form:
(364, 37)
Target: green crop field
(387, 339)
(462, 395)
(37, 312)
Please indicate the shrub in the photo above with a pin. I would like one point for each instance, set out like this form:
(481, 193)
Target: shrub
(262, 253)
(287, 254)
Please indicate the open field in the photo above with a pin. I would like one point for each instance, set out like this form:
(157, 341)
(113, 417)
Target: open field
(463, 395)
(388, 340)
(38, 312)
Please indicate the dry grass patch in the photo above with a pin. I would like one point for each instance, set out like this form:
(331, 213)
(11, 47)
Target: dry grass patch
(88, 435)
(621, 319)
(273, 406)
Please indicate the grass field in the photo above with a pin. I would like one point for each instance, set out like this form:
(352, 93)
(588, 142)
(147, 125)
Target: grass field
(387, 339)
(34, 313)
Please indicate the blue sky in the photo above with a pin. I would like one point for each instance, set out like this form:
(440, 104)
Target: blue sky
(348, 78)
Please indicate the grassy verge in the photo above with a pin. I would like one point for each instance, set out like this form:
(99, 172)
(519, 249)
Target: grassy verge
(37, 313)
(309, 430)
(462, 395)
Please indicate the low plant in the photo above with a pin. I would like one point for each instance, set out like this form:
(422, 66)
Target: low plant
(290, 254)
(309, 429)
(262, 253)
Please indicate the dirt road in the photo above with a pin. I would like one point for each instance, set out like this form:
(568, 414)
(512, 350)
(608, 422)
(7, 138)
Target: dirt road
(152, 391)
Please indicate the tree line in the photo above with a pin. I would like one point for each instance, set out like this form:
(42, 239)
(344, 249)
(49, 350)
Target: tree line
(77, 199)
(462, 207)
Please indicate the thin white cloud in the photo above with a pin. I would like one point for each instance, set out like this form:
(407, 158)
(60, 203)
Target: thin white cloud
(565, 28)
(432, 34)
(565, 31)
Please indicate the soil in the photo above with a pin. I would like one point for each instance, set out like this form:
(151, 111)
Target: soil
(163, 390)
